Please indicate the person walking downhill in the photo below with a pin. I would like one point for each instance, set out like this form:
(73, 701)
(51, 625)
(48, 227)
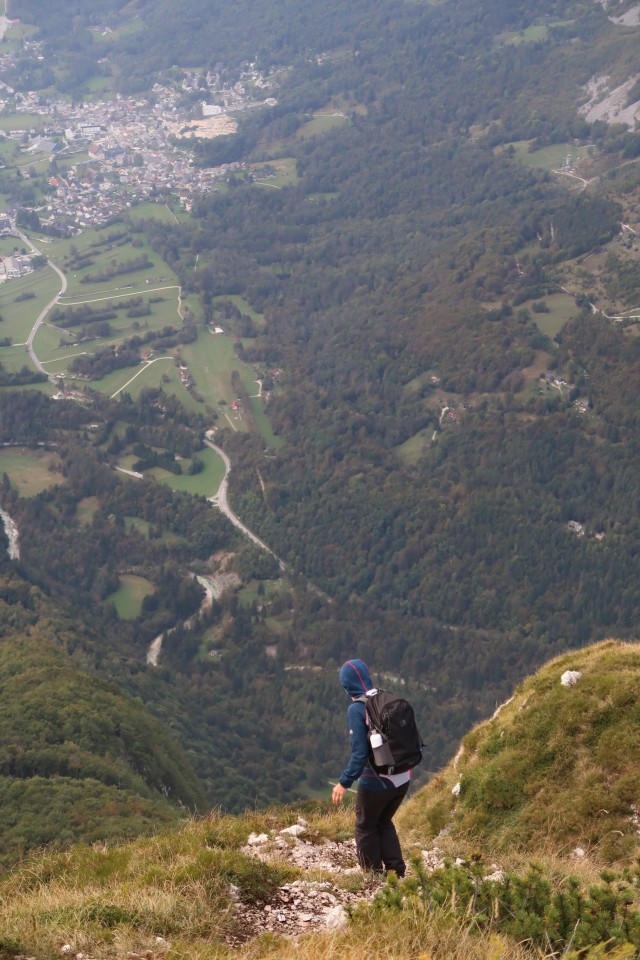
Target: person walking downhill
(378, 796)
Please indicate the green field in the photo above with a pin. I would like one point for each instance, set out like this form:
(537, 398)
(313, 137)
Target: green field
(20, 315)
(263, 424)
(205, 483)
(244, 307)
(142, 377)
(29, 470)
(561, 308)
(551, 157)
(155, 211)
(321, 122)
(129, 596)
(21, 121)
(105, 254)
(143, 527)
(276, 173)
(86, 509)
(415, 447)
(211, 360)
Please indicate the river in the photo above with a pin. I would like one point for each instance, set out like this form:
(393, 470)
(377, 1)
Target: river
(11, 531)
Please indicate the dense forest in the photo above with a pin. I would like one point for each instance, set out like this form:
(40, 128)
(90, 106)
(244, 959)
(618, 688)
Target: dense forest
(402, 279)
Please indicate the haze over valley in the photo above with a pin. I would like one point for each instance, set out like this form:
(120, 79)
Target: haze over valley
(318, 339)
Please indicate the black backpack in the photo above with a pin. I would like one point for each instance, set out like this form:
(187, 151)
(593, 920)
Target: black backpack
(393, 718)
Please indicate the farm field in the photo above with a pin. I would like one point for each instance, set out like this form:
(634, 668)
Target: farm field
(86, 509)
(412, 449)
(30, 471)
(321, 122)
(129, 596)
(263, 424)
(108, 248)
(276, 173)
(21, 121)
(142, 377)
(155, 211)
(211, 361)
(561, 308)
(20, 314)
(133, 304)
(205, 483)
(244, 307)
(551, 157)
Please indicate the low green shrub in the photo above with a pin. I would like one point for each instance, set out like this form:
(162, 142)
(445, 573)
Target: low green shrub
(566, 920)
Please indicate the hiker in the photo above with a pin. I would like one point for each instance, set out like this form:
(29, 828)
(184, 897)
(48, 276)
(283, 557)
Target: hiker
(378, 796)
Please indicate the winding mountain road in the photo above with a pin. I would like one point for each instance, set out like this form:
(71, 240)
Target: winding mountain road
(43, 313)
(221, 502)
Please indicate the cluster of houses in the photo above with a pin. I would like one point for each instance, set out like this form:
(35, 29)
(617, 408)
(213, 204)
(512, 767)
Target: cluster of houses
(127, 145)
(185, 376)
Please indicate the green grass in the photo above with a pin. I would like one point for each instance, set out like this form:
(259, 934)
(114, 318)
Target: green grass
(548, 158)
(39, 161)
(152, 211)
(86, 509)
(415, 447)
(129, 596)
(94, 243)
(276, 173)
(263, 424)
(21, 121)
(29, 470)
(557, 766)
(143, 527)
(532, 34)
(142, 377)
(321, 122)
(9, 245)
(205, 483)
(244, 307)
(18, 31)
(211, 360)
(20, 315)
(562, 307)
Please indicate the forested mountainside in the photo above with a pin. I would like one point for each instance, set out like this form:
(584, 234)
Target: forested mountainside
(454, 471)
(453, 488)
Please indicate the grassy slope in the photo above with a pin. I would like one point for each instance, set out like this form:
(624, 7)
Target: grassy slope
(561, 749)
(558, 766)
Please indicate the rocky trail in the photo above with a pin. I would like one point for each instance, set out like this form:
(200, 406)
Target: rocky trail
(303, 905)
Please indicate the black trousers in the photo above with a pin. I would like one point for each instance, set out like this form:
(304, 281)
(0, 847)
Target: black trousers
(376, 838)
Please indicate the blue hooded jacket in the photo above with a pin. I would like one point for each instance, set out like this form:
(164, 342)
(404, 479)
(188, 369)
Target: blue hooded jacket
(356, 679)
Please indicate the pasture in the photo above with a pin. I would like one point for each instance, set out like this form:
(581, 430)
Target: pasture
(129, 596)
(551, 157)
(21, 121)
(30, 471)
(211, 361)
(321, 122)
(243, 306)
(276, 173)
(21, 301)
(206, 483)
(86, 509)
(561, 308)
(410, 452)
(109, 250)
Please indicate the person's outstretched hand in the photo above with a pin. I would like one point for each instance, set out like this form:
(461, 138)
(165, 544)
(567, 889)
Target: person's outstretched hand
(338, 793)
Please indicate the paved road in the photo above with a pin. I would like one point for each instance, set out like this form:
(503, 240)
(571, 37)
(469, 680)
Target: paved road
(49, 306)
(221, 502)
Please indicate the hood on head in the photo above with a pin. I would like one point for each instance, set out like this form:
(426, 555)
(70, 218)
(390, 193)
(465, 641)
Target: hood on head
(355, 677)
